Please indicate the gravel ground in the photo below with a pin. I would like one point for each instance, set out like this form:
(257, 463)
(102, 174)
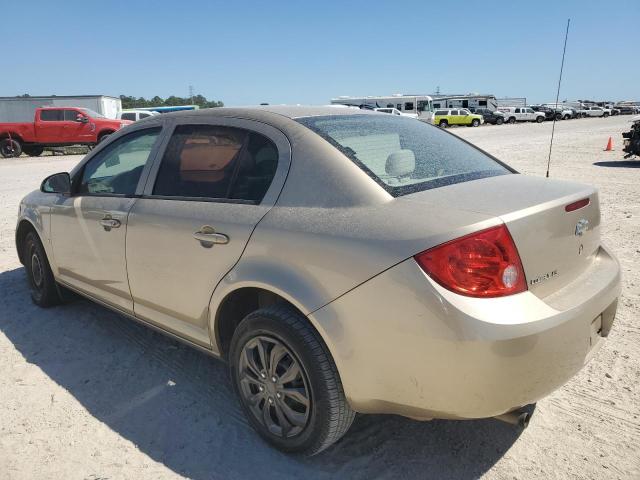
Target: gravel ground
(86, 394)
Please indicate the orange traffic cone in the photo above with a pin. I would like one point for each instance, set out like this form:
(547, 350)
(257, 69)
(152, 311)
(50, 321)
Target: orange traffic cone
(609, 145)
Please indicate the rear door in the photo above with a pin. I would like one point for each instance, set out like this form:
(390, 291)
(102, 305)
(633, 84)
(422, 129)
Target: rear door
(205, 195)
(50, 126)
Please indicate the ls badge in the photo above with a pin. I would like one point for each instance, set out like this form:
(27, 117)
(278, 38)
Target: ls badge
(581, 227)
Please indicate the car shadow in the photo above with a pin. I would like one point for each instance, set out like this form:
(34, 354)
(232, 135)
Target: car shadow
(619, 163)
(177, 406)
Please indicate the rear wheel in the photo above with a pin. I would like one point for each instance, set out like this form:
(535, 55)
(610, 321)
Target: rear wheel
(512, 120)
(540, 119)
(475, 122)
(443, 124)
(44, 291)
(499, 121)
(10, 147)
(605, 115)
(33, 151)
(287, 382)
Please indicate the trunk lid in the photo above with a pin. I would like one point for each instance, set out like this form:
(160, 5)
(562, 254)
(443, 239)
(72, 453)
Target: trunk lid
(555, 246)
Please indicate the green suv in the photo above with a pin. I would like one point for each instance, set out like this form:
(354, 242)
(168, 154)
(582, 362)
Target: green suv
(461, 116)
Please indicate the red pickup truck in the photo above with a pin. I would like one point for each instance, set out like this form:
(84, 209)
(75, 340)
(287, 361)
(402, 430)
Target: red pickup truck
(59, 126)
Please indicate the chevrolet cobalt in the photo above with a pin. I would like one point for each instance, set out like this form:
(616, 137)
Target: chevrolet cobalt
(339, 260)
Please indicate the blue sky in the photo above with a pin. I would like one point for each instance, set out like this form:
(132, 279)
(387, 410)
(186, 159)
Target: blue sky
(247, 52)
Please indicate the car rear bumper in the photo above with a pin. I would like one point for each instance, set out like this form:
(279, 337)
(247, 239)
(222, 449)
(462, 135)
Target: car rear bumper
(407, 346)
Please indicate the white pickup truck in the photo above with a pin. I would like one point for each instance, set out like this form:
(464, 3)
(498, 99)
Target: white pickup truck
(521, 114)
(591, 111)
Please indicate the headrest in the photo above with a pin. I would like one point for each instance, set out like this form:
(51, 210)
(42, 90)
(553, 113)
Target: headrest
(400, 163)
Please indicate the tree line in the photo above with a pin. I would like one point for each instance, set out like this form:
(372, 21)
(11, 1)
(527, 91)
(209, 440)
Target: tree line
(141, 102)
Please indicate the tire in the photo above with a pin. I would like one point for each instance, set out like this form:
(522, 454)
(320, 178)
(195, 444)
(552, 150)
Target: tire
(325, 418)
(539, 119)
(443, 124)
(567, 117)
(558, 116)
(10, 147)
(512, 120)
(499, 121)
(44, 291)
(103, 137)
(33, 151)
(475, 122)
(605, 115)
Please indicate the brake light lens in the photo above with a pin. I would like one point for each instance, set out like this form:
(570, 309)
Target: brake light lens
(483, 264)
(577, 205)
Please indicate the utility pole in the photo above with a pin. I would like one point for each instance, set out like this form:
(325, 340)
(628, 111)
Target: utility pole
(191, 93)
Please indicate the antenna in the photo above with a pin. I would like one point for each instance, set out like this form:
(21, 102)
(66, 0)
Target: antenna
(553, 128)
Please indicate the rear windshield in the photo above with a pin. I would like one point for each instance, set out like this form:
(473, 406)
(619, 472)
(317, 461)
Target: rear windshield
(404, 155)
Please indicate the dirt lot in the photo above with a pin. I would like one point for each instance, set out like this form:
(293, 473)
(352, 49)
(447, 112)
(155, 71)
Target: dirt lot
(85, 394)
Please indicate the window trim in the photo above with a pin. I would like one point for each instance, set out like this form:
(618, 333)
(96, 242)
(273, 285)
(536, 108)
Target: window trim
(76, 179)
(276, 136)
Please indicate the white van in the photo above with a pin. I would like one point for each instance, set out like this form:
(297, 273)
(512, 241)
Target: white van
(521, 114)
(135, 115)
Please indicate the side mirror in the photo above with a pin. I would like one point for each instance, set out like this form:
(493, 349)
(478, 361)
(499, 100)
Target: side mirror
(57, 183)
(81, 119)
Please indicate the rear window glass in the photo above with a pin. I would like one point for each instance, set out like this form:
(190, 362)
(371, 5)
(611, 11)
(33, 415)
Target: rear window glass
(404, 155)
(51, 115)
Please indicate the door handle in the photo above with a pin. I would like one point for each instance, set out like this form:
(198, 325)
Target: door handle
(108, 223)
(207, 236)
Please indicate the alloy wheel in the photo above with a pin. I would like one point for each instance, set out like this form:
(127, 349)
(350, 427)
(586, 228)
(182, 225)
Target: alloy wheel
(274, 386)
(37, 273)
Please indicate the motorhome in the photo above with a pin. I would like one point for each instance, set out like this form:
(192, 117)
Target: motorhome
(420, 106)
(470, 101)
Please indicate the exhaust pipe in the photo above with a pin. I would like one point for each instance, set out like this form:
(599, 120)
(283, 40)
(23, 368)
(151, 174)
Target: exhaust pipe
(519, 418)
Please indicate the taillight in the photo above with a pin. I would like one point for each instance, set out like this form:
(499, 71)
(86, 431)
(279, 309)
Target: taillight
(576, 205)
(483, 264)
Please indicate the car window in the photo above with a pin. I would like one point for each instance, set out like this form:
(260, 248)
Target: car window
(128, 116)
(71, 115)
(408, 106)
(454, 112)
(205, 161)
(116, 169)
(51, 115)
(441, 112)
(144, 115)
(256, 169)
(402, 155)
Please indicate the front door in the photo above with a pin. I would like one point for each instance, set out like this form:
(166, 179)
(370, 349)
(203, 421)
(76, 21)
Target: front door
(88, 228)
(75, 130)
(201, 204)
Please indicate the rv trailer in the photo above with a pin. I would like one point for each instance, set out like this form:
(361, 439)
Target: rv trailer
(420, 106)
(21, 109)
(470, 101)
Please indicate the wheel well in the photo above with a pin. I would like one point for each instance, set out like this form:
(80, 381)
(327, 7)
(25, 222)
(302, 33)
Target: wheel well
(23, 229)
(105, 132)
(237, 305)
(14, 136)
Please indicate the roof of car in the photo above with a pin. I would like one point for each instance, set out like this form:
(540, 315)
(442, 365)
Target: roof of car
(289, 111)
